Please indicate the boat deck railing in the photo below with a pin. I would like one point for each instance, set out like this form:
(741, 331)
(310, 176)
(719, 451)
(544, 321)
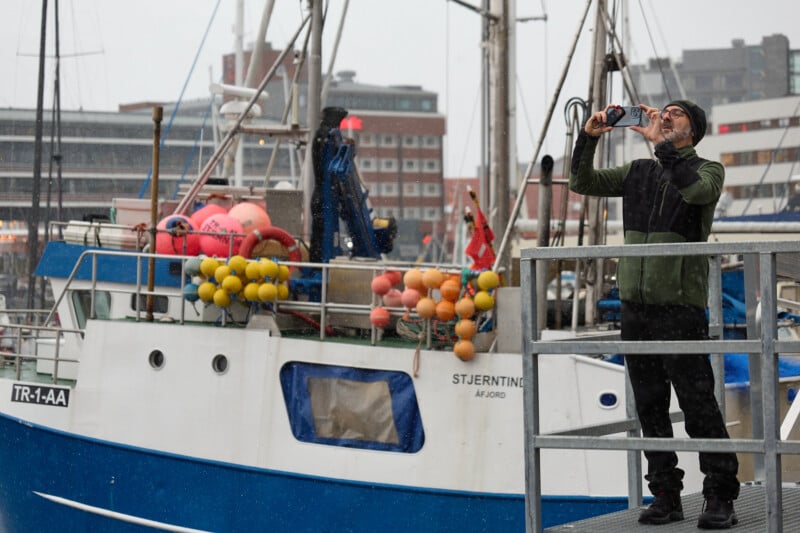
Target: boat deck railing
(762, 344)
(21, 346)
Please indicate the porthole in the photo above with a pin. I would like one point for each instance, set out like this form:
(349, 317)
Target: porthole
(156, 359)
(608, 399)
(219, 364)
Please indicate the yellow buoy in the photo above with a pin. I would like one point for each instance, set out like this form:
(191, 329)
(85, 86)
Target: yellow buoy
(222, 298)
(251, 291)
(252, 271)
(222, 272)
(208, 266)
(283, 291)
(232, 284)
(267, 292)
(488, 280)
(206, 291)
(269, 269)
(283, 273)
(483, 301)
(238, 265)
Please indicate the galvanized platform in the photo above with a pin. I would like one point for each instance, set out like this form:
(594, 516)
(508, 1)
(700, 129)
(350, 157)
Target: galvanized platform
(750, 509)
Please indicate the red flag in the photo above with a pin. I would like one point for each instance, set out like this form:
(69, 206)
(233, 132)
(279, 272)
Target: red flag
(480, 245)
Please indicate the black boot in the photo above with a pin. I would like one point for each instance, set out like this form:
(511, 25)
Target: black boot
(665, 508)
(717, 514)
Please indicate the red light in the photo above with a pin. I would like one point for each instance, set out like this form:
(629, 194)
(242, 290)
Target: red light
(724, 128)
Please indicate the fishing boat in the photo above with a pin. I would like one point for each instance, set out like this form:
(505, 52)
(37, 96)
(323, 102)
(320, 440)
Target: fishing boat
(262, 384)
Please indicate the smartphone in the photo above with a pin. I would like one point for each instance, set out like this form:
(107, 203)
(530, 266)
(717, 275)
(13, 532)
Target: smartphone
(621, 116)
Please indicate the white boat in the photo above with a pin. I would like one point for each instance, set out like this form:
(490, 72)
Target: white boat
(143, 403)
(188, 422)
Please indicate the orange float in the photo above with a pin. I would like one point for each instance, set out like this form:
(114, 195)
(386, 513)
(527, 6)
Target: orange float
(445, 311)
(450, 289)
(464, 350)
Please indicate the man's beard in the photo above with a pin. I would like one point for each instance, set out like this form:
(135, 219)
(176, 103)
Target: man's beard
(678, 134)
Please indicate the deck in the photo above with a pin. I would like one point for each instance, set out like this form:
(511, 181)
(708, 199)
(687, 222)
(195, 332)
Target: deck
(750, 509)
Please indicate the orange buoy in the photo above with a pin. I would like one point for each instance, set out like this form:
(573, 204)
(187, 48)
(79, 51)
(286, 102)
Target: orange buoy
(464, 350)
(432, 278)
(445, 310)
(450, 289)
(465, 307)
(413, 280)
(466, 329)
(426, 307)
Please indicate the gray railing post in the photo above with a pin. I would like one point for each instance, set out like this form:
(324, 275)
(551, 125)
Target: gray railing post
(715, 327)
(751, 281)
(530, 396)
(771, 413)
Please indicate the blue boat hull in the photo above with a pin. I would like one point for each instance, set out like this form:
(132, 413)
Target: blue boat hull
(184, 492)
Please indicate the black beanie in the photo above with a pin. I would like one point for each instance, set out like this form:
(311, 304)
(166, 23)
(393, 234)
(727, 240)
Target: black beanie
(697, 118)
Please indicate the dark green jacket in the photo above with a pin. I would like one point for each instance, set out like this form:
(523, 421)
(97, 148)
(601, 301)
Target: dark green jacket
(667, 200)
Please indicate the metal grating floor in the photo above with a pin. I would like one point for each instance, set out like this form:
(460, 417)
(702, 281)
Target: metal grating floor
(750, 509)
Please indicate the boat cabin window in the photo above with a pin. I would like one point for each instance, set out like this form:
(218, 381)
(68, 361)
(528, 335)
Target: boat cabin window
(160, 303)
(352, 407)
(82, 305)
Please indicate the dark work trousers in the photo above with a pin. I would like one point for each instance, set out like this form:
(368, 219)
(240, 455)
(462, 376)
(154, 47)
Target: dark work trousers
(693, 379)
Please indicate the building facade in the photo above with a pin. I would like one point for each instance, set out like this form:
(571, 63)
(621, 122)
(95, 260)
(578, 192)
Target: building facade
(399, 135)
(712, 77)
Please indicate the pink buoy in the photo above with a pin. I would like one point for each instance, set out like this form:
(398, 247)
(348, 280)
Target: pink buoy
(200, 216)
(381, 285)
(393, 298)
(180, 240)
(394, 276)
(221, 225)
(409, 298)
(250, 216)
(379, 317)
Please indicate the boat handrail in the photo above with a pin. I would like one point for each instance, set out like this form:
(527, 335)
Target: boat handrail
(325, 306)
(22, 333)
(769, 438)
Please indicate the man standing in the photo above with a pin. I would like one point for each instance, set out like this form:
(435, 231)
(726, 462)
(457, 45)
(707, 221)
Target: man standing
(670, 199)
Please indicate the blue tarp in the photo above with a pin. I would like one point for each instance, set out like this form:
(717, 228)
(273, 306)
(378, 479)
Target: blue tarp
(734, 316)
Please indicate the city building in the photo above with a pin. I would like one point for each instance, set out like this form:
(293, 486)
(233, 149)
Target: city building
(399, 134)
(726, 75)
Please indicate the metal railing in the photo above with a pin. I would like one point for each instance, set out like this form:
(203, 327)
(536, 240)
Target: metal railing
(761, 344)
(20, 342)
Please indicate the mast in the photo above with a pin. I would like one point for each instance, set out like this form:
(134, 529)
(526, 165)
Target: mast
(499, 125)
(313, 110)
(595, 206)
(33, 220)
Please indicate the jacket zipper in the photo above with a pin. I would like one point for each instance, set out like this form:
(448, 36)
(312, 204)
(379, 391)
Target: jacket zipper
(657, 206)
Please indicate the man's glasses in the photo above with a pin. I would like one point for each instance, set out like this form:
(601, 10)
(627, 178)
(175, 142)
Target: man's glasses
(673, 113)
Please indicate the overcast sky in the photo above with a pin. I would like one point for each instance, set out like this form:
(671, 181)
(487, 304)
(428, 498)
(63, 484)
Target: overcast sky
(116, 51)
